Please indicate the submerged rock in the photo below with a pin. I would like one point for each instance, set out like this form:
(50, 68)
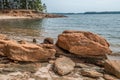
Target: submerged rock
(64, 65)
(83, 43)
(113, 67)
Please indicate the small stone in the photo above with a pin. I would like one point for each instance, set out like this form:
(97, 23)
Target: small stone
(100, 78)
(51, 61)
(109, 77)
(88, 78)
(34, 40)
(48, 41)
(22, 42)
(64, 65)
(91, 73)
(81, 65)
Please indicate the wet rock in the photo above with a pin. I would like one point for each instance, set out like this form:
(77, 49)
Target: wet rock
(64, 65)
(48, 41)
(27, 52)
(113, 67)
(91, 73)
(109, 77)
(83, 43)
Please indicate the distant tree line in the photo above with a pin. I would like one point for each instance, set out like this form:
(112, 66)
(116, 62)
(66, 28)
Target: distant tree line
(23, 4)
(105, 12)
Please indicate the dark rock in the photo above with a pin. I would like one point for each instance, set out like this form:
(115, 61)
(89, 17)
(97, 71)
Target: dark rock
(48, 41)
(34, 40)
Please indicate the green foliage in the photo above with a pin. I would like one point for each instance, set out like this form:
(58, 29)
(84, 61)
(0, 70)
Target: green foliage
(25, 4)
(38, 5)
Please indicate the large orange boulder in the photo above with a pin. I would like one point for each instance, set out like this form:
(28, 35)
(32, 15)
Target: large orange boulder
(83, 43)
(28, 52)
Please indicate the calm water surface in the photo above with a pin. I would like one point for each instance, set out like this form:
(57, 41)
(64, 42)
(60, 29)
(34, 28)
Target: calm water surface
(106, 25)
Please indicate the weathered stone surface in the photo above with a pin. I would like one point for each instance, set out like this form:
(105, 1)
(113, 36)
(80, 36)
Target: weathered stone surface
(91, 73)
(3, 44)
(24, 51)
(81, 65)
(64, 65)
(2, 48)
(2, 37)
(109, 77)
(83, 43)
(88, 78)
(28, 52)
(43, 72)
(100, 78)
(113, 67)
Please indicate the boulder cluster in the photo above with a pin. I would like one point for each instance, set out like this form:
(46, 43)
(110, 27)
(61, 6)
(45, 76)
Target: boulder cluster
(77, 55)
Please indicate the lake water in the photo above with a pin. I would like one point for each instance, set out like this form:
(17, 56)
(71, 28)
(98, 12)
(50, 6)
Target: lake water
(106, 25)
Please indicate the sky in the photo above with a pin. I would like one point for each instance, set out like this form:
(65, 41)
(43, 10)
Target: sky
(78, 6)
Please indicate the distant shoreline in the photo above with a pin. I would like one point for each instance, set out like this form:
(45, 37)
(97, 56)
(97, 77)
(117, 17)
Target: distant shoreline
(105, 12)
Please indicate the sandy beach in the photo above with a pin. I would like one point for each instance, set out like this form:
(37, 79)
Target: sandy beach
(3, 17)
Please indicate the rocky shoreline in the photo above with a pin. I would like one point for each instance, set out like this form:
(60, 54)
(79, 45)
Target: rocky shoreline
(26, 14)
(77, 55)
